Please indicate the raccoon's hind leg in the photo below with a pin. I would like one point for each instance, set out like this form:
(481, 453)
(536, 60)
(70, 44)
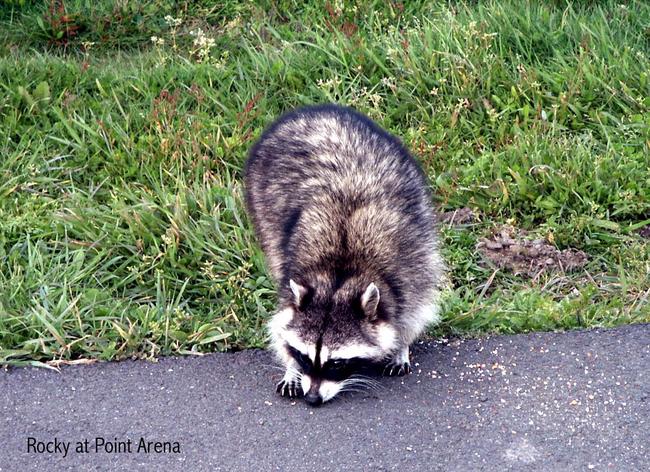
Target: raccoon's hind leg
(399, 364)
(290, 384)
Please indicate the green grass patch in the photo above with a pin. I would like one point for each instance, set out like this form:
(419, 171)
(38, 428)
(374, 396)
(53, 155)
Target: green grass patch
(124, 127)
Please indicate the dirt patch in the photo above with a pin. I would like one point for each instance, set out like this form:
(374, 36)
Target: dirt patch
(512, 250)
(461, 216)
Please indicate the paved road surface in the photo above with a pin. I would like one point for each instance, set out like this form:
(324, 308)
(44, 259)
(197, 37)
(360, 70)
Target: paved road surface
(547, 402)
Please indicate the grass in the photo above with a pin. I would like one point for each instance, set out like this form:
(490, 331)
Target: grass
(122, 229)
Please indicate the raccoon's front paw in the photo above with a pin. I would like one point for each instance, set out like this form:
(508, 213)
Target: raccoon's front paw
(290, 388)
(399, 364)
(392, 370)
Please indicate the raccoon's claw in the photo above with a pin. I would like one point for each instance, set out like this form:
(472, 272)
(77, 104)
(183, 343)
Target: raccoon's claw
(392, 370)
(399, 364)
(289, 388)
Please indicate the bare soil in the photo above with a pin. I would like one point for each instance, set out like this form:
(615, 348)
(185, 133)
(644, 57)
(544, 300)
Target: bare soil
(511, 249)
(461, 216)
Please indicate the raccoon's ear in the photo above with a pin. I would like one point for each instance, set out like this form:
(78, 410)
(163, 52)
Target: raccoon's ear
(370, 301)
(299, 293)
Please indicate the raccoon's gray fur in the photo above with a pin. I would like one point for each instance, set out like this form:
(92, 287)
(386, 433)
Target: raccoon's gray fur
(344, 217)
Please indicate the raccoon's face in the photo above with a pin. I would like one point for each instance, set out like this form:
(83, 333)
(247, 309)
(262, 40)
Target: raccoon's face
(332, 341)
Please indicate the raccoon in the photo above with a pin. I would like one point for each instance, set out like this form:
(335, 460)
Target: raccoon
(344, 216)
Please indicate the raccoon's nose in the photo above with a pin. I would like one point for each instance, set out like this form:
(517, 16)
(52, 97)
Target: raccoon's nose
(314, 399)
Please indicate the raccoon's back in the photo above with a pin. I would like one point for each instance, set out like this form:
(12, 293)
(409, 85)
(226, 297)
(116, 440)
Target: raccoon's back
(325, 185)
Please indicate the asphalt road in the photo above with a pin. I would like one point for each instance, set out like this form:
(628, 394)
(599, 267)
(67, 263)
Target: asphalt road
(548, 402)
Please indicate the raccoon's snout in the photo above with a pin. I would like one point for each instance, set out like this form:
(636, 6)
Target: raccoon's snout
(318, 390)
(312, 391)
(314, 398)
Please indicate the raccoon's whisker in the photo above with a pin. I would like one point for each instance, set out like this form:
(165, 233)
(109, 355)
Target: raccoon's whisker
(360, 387)
(359, 384)
(277, 367)
(365, 381)
(354, 390)
(361, 381)
(363, 378)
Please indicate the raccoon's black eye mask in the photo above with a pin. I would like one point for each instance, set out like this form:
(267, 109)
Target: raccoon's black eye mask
(333, 369)
(303, 360)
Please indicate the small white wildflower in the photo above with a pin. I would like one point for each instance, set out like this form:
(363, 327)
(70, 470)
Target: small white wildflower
(392, 54)
(330, 83)
(628, 195)
(202, 44)
(462, 103)
(222, 59)
(157, 41)
(338, 7)
(375, 98)
(168, 239)
(389, 82)
(174, 22)
(472, 26)
(234, 23)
